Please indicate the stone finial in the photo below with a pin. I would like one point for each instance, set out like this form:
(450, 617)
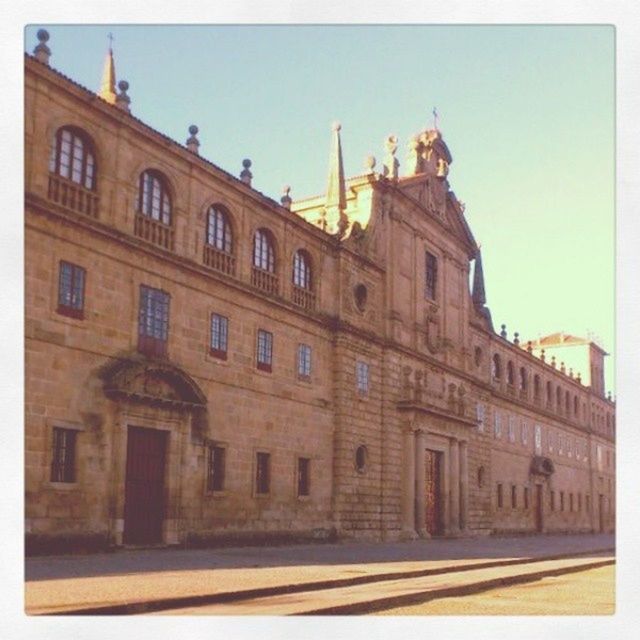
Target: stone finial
(609, 396)
(579, 378)
(192, 141)
(571, 373)
(123, 101)
(516, 338)
(503, 331)
(42, 51)
(542, 356)
(285, 200)
(391, 163)
(529, 347)
(415, 162)
(562, 368)
(245, 174)
(369, 164)
(108, 85)
(553, 361)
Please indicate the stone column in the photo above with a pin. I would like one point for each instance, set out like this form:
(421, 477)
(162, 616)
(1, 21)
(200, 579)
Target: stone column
(454, 471)
(409, 484)
(419, 484)
(464, 486)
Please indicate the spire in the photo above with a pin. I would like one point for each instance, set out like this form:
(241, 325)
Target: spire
(335, 219)
(478, 294)
(336, 192)
(108, 86)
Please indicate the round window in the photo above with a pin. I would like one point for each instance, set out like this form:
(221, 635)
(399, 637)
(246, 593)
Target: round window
(360, 294)
(361, 458)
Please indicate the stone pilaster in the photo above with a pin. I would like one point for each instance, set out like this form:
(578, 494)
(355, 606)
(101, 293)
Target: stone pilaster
(464, 486)
(454, 474)
(420, 471)
(409, 484)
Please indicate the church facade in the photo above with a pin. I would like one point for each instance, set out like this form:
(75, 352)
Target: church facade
(205, 365)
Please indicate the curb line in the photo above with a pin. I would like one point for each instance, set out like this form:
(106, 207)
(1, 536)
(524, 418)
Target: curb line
(179, 602)
(391, 602)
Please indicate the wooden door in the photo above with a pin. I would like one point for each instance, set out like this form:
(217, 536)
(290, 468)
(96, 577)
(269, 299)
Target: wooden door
(539, 507)
(601, 513)
(433, 510)
(144, 486)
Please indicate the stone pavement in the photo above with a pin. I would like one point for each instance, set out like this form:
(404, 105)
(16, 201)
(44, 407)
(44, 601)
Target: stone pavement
(66, 583)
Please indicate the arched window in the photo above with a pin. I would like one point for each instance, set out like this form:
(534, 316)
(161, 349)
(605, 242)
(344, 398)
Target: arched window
(549, 392)
(523, 379)
(536, 386)
(496, 367)
(575, 406)
(263, 252)
(302, 269)
(558, 398)
(219, 230)
(567, 402)
(72, 157)
(154, 200)
(510, 375)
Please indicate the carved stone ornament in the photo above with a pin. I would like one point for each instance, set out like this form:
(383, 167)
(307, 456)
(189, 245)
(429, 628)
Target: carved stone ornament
(432, 332)
(542, 466)
(157, 383)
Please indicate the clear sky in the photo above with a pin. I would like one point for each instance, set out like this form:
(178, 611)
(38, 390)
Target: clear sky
(527, 112)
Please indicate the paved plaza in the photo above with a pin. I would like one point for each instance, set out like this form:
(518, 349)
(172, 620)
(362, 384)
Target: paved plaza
(70, 583)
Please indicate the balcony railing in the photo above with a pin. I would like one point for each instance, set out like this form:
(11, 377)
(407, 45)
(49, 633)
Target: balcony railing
(304, 298)
(264, 280)
(154, 231)
(219, 260)
(73, 196)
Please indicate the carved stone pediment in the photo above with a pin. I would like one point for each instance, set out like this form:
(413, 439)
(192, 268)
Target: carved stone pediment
(542, 465)
(137, 379)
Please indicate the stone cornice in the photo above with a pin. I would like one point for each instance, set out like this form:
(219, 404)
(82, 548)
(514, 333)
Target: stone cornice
(437, 412)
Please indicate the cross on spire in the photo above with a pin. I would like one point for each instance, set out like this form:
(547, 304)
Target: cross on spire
(435, 118)
(111, 39)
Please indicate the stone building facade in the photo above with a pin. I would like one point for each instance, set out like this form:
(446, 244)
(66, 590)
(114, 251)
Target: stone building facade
(204, 364)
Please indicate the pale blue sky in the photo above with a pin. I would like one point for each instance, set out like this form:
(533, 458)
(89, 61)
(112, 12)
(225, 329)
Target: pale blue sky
(527, 112)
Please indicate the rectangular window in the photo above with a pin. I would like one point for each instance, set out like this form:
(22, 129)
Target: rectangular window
(562, 501)
(480, 416)
(512, 430)
(524, 433)
(304, 361)
(153, 321)
(514, 497)
(579, 502)
(362, 377)
(71, 290)
(538, 438)
(304, 476)
(499, 495)
(497, 427)
(571, 502)
(63, 455)
(219, 336)
(263, 479)
(587, 503)
(552, 500)
(215, 468)
(431, 275)
(526, 498)
(265, 350)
